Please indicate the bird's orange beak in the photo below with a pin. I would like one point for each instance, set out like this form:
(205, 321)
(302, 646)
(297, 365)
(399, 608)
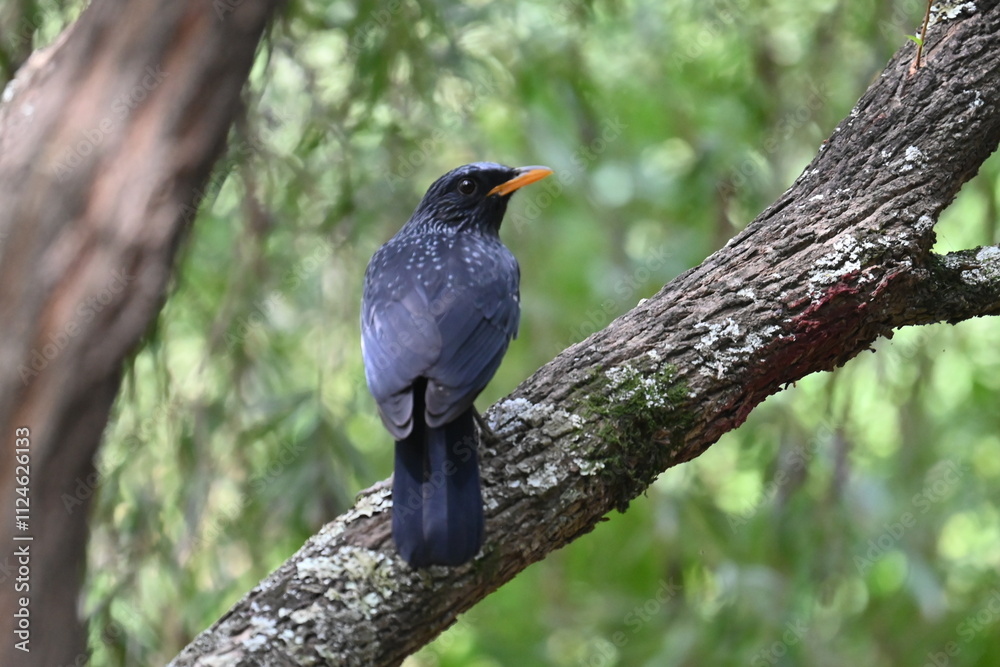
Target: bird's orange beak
(525, 176)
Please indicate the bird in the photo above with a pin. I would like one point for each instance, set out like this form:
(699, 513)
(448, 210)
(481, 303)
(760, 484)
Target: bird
(440, 305)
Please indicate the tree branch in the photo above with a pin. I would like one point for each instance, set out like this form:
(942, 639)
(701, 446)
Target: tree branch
(841, 258)
(958, 286)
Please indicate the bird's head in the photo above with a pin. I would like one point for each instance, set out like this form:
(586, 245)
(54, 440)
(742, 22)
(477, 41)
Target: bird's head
(474, 197)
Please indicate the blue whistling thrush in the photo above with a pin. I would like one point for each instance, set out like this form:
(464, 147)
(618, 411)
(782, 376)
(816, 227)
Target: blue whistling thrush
(440, 306)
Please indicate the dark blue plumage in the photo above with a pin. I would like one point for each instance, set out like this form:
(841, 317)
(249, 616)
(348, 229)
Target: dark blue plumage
(440, 306)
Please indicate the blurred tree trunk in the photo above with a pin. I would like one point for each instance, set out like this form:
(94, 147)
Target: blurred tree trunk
(842, 258)
(106, 138)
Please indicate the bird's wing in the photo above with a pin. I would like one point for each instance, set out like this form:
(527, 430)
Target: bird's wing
(477, 319)
(399, 341)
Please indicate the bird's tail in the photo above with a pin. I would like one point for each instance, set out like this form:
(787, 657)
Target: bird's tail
(437, 505)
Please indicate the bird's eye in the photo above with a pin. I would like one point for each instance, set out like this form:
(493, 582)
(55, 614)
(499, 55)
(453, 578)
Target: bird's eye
(466, 186)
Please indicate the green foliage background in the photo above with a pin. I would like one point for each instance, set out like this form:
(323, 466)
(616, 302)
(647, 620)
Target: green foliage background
(852, 520)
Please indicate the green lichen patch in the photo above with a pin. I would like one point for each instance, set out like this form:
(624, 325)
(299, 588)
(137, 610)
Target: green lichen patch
(639, 409)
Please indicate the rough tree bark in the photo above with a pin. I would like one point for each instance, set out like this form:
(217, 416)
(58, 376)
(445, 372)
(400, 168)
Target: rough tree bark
(106, 139)
(842, 258)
